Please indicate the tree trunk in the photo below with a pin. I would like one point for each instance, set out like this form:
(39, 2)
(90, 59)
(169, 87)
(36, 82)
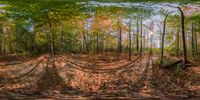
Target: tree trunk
(103, 48)
(177, 42)
(97, 48)
(82, 44)
(85, 42)
(62, 41)
(129, 41)
(10, 47)
(192, 41)
(183, 34)
(196, 38)
(0, 45)
(0, 42)
(141, 37)
(71, 45)
(51, 41)
(163, 39)
(160, 40)
(4, 44)
(137, 38)
(120, 39)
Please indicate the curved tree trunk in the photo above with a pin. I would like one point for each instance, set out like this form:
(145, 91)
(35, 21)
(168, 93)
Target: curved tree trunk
(163, 39)
(183, 34)
(177, 43)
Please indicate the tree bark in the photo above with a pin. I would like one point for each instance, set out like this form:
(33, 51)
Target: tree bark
(163, 39)
(103, 48)
(4, 44)
(0, 41)
(51, 41)
(192, 40)
(177, 43)
(10, 47)
(196, 37)
(85, 42)
(137, 38)
(141, 37)
(97, 48)
(183, 34)
(62, 41)
(0, 45)
(129, 41)
(120, 38)
(82, 44)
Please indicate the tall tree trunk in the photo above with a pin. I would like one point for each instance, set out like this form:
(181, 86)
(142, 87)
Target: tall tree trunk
(4, 44)
(102, 40)
(0, 46)
(82, 44)
(97, 48)
(192, 41)
(137, 38)
(51, 40)
(196, 40)
(141, 37)
(85, 42)
(160, 40)
(34, 48)
(72, 45)
(0, 42)
(183, 34)
(16, 47)
(10, 47)
(120, 39)
(129, 41)
(62, 41)
(163, 39)
(177, 42)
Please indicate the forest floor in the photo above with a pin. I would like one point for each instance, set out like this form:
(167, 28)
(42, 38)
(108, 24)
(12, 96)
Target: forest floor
(105, 76)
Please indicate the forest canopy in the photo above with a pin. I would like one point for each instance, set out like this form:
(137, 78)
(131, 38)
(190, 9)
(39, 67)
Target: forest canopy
(99, 49)
(75, 26)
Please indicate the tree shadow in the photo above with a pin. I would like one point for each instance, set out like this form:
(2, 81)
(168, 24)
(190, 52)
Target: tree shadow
(99, 70)
(17, 79)
(45, 86)
(129, 87)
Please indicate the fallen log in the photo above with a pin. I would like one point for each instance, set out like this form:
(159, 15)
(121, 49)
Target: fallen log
(192, 65)
(172, 64)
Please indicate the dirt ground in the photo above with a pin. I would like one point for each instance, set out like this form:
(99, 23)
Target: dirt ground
(103, 76)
